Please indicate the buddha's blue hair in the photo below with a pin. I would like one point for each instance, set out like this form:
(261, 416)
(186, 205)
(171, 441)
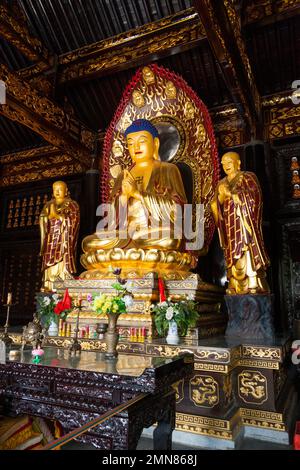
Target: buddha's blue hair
(141, 125)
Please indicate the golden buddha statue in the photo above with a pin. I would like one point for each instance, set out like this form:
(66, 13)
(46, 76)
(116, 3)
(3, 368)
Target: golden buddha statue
(151, 194)
(237, 210)
(59, 226)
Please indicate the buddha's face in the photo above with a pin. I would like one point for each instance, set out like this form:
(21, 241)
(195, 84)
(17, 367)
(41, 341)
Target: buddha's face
(59, 190)
(142, 146)
(231, 163)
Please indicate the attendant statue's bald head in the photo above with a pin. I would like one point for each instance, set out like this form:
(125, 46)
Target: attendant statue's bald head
(231, 162)
(142, 141)
(60, 189)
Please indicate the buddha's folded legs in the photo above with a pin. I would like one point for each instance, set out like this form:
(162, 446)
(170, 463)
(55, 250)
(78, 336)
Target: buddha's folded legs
(156, 239)
(146, 238)
(105, 240)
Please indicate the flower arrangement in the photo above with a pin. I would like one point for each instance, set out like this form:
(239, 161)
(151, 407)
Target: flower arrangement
(50, 308)
(114, 303)
(184, 313)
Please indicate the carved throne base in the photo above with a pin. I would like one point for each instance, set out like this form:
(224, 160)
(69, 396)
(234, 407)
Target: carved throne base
(145, 291)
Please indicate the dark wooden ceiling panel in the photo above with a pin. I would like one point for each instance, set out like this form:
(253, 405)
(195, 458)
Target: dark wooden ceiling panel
(14, 136)
(274, 51)
(65, 25)
(12, 57)
(200, 70)
(96, 101)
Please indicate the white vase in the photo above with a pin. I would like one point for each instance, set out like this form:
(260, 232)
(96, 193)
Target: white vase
(53, 329)
(172, 337)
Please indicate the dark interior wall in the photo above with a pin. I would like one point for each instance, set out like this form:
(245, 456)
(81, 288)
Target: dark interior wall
(286, 231)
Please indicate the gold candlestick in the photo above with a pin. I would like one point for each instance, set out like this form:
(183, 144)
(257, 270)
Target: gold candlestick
(75, 346)
(6, 338)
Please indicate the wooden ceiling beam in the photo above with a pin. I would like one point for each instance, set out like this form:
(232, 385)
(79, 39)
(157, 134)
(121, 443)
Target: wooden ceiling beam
(14, 29)
(27, 106)
(223, 31)
(173, 34)
(259, 13)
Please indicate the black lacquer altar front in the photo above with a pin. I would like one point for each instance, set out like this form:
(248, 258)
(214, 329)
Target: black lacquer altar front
(75, 390)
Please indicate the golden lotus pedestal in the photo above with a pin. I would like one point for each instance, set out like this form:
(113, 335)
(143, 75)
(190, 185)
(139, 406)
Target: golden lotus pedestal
(137, 262)
(145, 291)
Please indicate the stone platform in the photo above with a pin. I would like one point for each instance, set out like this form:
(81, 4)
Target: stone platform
(145, 291)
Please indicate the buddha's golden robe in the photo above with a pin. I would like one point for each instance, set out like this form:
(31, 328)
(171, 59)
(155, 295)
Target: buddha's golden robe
(150, 222)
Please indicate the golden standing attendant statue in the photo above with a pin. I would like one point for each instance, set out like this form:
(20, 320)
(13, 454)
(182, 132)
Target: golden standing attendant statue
(237, 210)
(59, 226)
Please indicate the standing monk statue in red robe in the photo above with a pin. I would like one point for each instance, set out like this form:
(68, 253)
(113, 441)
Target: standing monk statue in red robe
(237, 210)
(59, 226)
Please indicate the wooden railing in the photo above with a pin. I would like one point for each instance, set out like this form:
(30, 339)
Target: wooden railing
(58, 443)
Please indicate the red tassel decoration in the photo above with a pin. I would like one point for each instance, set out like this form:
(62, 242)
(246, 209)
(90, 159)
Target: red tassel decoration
(64, 304)
(161, 287)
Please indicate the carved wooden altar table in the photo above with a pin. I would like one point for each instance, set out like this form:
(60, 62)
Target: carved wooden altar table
(75, 390)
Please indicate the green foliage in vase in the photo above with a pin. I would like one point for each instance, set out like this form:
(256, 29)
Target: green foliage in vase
(184, 313)
(51, 309)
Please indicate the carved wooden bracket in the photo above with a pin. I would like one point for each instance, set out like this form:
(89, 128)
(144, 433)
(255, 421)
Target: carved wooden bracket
(223, 29)
(28, 107)
(177, 32)
(14, 29)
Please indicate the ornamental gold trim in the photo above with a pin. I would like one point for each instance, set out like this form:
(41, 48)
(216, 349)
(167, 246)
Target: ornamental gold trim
(222, 429)
(252, 387)
(204, 391)
(221, 355)
(66, 343)
(29, 154)
(258, 10)
(204, 431)
(211, 367)
(264, 424)
(42, 174)
(263, 415)
(261, 352)
(221, 424)
(259, 364)
(179, 391)
(166, 351)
